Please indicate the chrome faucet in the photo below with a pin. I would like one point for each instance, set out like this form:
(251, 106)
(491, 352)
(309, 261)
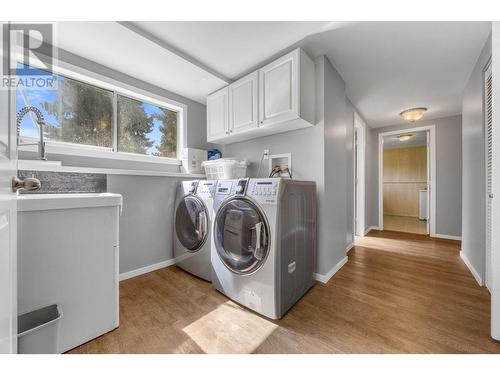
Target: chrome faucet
(40, 121)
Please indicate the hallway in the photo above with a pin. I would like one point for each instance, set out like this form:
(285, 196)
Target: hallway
(398, 293)
(408, 224)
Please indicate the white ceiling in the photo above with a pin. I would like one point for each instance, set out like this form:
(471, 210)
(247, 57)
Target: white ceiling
(232, 48)
(417, 139)
(387, 66)
(392, 66)
(117, 47)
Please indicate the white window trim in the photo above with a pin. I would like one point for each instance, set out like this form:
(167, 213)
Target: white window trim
(118, 88)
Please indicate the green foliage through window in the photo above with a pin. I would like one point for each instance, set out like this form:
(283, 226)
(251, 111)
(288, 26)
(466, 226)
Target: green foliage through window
(80, 113)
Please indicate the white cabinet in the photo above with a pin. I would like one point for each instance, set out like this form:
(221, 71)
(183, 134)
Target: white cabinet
(277, 98)
(68, 254)
(218, 115)
(243, 104)
(287, 90)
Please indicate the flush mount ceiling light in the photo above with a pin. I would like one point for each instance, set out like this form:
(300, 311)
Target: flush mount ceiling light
(413, 114)
(404, 137)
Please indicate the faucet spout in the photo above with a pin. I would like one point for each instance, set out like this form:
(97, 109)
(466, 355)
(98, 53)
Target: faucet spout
(40, 121)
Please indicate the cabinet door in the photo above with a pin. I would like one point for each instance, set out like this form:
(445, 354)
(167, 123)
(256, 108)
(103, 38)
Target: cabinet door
(278, 83)
(243, 102)
(217, 115)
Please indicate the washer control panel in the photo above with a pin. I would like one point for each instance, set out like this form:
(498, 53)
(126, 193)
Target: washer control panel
(206, 188)
(264, 190)
(225, 187)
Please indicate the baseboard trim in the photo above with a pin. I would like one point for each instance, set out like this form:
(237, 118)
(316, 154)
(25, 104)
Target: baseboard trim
(146, 269)
(471, 268)
(349, 247)
(372, 228)
(325, 278)
(447, 237)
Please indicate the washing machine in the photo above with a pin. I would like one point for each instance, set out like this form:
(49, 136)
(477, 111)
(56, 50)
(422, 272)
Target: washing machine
(264, 242)
(192, 226)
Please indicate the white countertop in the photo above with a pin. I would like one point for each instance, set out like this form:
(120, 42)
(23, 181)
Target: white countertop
(41, 202)
(57, 167)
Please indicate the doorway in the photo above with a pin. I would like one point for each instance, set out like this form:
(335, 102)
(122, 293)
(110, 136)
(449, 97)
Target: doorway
(406, 179)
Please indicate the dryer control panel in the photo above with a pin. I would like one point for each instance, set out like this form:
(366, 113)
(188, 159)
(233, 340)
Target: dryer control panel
(264, 190)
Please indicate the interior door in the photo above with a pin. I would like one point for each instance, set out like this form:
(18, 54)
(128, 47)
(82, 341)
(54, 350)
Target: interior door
(356, 181)
(8, 224)
(428, 222)
(488, 119)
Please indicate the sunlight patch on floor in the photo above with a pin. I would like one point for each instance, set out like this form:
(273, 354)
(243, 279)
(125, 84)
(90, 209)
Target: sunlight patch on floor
(229, 329)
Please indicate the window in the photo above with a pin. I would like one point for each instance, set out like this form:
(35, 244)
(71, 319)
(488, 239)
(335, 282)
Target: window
(76, 112)
(144, 128)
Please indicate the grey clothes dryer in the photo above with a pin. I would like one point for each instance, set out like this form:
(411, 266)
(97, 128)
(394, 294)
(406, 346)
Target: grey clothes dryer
(192, 227)
(264, 242)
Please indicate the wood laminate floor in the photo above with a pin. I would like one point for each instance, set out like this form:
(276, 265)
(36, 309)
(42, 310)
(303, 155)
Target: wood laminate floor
(398, 293)
(407, 224)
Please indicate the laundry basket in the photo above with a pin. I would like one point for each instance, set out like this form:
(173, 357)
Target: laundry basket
(225, 168)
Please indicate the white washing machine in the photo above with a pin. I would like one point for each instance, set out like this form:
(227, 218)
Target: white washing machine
(192, 226)
(264, 242)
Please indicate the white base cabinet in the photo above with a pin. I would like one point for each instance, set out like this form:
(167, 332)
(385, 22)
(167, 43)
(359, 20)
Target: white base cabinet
(277, 98)
(68, 255)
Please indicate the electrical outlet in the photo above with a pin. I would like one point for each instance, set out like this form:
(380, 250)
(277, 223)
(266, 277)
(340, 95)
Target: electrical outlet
(266, 154)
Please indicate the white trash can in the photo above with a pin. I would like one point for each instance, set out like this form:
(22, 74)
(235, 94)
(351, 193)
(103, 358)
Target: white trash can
(38, 331)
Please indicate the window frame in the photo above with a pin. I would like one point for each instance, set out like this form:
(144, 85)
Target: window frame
(117, 88)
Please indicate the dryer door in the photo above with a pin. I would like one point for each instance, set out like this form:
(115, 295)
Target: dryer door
(241, 235)
(191, 222)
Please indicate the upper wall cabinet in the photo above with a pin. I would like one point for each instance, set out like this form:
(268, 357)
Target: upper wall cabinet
(218, 115)
(277, 98)
(243, 104)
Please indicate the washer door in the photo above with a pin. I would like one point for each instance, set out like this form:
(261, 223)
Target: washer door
(241, 236)
(191, 223)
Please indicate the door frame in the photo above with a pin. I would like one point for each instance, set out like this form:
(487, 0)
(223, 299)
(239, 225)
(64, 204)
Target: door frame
(10, 157)
(359, 152)
(431, 175)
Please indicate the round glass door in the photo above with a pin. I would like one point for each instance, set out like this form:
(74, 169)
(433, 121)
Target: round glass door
(191, 222)
(241, 236)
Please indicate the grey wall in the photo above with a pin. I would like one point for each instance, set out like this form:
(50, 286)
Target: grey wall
(448, 173)
(146, 223)
(335, 221)
(473, 172)
(319, 153)
(349, 124)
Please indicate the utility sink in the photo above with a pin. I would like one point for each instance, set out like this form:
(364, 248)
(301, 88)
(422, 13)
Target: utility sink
(38, 165)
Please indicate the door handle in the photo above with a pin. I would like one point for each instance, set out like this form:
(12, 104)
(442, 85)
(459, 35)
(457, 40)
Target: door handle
(29, 184)
(202, 223)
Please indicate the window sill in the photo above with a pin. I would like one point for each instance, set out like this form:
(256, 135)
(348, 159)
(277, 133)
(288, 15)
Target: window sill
(61, 149)
(112, 171)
